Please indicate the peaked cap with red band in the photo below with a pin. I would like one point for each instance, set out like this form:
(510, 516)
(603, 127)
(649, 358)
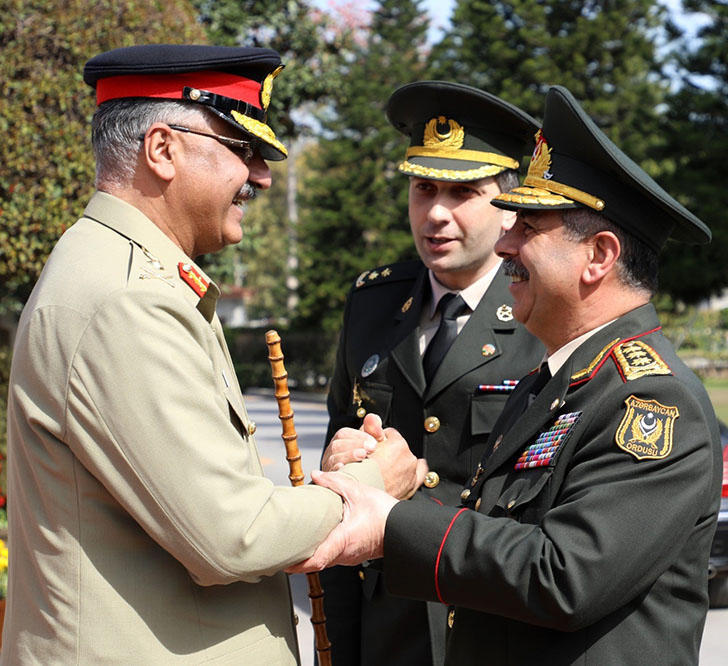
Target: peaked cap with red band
(233, 82)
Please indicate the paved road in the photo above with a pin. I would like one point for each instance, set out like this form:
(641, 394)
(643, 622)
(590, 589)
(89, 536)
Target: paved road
(310, 420)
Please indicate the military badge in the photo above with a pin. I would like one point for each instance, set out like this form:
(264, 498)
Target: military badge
(361, 278)
(193, 278)
(636, 359)
(646, 429)
(547, 444)
(370, 365)
(407, 304)
(267, 88)
(452, 139)
(488, 349)
(504, 312)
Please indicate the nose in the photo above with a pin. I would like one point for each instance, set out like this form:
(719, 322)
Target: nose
(439, 213)
(504, 247)
(259, 174)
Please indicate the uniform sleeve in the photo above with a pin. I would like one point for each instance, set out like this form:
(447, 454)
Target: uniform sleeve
(617, 524)
(145, 415)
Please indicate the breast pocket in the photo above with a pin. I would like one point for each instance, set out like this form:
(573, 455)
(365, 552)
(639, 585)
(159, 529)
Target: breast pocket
(484, 411)
(527, 495)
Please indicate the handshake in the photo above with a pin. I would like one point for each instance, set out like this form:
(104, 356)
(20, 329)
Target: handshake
(360, 535)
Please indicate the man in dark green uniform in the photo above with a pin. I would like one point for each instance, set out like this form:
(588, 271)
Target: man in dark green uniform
(465, 147)
(584, 532)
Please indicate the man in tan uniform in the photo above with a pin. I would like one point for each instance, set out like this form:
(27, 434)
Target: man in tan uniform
(142, 529)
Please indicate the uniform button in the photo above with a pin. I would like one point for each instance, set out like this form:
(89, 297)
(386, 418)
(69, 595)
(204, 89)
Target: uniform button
(465, 494)
(451, 618)
(477, 504)
(555, 403)
(432, 479)
(432, 424)
(252, 428)
(361, 412)
(362, 575)
(511, 504)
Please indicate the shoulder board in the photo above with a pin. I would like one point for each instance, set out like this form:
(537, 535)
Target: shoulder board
(637, 359)
(390, 273)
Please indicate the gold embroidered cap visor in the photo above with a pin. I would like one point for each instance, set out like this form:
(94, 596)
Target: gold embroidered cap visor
(458, 133)
(235, 83)
(574, 164)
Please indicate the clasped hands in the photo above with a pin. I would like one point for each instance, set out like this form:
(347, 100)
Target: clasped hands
(360, 534)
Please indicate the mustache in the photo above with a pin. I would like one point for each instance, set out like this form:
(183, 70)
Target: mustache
(511, 267)
(247, 192)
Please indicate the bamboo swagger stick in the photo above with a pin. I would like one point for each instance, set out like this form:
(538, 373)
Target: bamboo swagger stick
(296, 476)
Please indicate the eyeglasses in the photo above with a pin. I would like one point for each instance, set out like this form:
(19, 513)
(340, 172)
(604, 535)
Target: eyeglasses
(243, 149)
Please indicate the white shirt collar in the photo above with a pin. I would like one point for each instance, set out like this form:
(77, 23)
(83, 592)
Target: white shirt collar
(472, 294)
(558, 358)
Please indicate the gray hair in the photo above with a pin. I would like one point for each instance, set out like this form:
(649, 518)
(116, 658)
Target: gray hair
(117, 126)
(637, 266)
(507, 180)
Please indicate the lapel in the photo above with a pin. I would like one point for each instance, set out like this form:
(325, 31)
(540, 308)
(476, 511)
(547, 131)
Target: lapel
(466, 353)
(406, 353)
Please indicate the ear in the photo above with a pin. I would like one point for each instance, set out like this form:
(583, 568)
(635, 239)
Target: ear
(508, 219)
(160, 146)
(603, 251)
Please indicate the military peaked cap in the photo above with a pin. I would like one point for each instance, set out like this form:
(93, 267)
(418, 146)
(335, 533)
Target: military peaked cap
(574, 164)
(235, 83)
(458, 133)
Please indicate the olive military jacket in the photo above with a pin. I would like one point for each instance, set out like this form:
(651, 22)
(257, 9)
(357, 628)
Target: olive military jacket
(585, 531)
(142, 529)
(379, 370)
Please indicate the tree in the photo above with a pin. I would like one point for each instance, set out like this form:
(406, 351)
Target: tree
(355, 202)
(696, 124)
(604, 52)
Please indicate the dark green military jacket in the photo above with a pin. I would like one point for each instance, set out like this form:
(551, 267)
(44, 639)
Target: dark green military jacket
(585, 533)
(379, 370)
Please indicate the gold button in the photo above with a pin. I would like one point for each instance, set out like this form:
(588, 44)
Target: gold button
(432, 479)
(451, 618)
(555, 403)
(252, 428)
(511, 504)
(432, 424)
(195, 94)
(361, 412)
(362, 575)
(465, 494)
(477, 504)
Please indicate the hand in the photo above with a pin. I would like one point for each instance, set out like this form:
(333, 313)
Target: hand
(348, 445)
(360, 535)
(402, 472)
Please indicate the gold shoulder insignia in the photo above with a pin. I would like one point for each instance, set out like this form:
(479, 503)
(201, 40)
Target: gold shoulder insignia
(637, 359)
(581, 374)
(646, 429)
(361, 278)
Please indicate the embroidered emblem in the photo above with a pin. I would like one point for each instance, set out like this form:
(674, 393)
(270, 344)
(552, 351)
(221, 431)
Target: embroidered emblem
(373, 275)
(267, 87)
(386, 272)
(488, 350)
(540, 453)
(504, 312)
(259, 129)
(370, 365)
(407, 304)
(646, 429)
(193, 278)
(451, 139)
(637, 359)
(541, 159)
(360, 280)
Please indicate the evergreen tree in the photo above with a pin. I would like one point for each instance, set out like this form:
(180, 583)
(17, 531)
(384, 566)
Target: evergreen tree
(355, 200)
(604, 52)
(696, 124)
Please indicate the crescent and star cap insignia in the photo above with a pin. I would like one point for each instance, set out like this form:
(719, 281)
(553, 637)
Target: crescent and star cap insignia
(504, 312)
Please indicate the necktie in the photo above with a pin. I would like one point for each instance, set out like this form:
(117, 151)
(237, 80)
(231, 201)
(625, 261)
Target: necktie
(450, 307)
(544, 374)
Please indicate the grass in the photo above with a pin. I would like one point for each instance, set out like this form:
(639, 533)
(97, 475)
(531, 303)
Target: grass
(718, 391)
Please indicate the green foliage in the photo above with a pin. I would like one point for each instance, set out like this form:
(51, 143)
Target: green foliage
(604, 52)
(47, 166)
(355, 201)
(696, 127)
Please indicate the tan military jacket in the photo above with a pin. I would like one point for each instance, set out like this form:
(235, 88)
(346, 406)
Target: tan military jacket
(142, 529)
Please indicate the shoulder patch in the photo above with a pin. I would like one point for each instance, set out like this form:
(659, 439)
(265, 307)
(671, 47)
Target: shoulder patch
(390, 273)
(646, 429)
(637, 359)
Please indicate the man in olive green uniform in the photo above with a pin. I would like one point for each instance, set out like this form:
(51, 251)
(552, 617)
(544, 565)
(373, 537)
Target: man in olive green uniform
(584, 531)
(141, 527)
(466, 146)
